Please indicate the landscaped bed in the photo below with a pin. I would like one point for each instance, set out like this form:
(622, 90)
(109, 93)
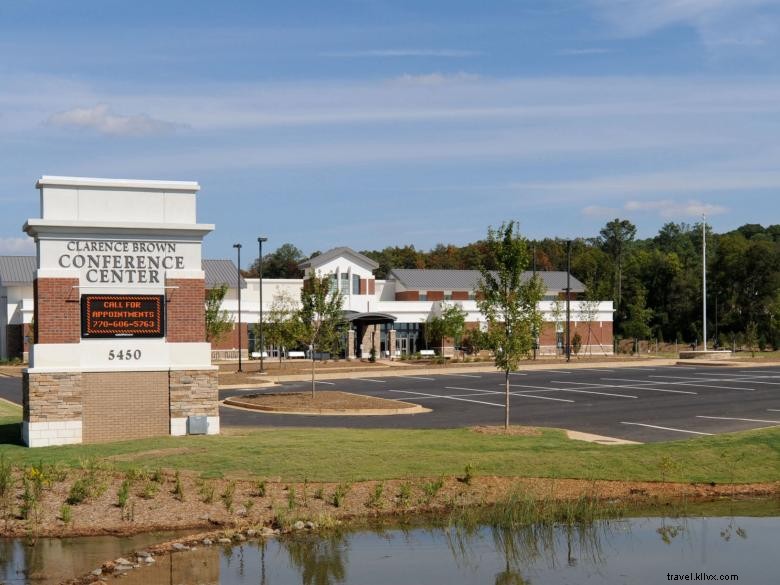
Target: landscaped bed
(323, 402)
(251, 478)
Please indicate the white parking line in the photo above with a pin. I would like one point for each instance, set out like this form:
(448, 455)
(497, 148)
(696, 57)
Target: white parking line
(418, 378)
(324, 382)
(521, 394)
(517, 374)
(664, 428)
(448, 397)
(638, 386)
(745, 419)
(464, 375)
(773, 409)
(570, 390)
(371, 380)
(588, 391)
(695, 384)
(595, 370)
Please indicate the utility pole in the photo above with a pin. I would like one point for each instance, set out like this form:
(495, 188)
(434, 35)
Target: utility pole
(568, 301)
(704, 277)
(260, 241)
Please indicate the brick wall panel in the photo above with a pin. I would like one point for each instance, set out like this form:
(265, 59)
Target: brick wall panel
(125, 405)
(57, 310)
(185, 313)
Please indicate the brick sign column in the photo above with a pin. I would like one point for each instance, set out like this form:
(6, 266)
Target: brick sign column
(120, 349)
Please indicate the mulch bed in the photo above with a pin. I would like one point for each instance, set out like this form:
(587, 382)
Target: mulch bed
(323, 400)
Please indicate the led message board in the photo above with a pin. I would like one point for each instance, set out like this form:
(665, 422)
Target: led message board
(122, 316)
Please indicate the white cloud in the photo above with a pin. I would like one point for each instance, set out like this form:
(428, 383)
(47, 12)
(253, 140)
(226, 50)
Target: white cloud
(745, 23)
(17, 246)
(395, 53)
(600, 212)
(585, 51)
(435, 78)
(101, 119)
(669, 209)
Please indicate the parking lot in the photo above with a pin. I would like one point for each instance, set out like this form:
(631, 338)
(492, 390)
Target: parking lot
(643, 404)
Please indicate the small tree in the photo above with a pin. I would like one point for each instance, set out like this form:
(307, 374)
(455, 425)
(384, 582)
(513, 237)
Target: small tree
(320, 317)
(218, 321)
(558, 312)
(281, 328)
(576, 343)
(509, 301)
(751, 338)
(450, 323)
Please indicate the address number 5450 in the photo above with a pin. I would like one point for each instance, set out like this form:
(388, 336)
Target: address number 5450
(124, 354)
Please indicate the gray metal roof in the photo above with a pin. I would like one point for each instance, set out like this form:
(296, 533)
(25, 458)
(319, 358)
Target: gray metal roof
(17, 269)
(21, 270)
(221, 272)
(336, 253)
(431, 279)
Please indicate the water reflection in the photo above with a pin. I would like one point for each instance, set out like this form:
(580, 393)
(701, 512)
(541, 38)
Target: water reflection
(320, 560)
(51, 560)
(615, 552)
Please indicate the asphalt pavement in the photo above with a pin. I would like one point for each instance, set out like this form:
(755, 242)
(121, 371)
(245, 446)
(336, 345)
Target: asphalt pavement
(643, 403)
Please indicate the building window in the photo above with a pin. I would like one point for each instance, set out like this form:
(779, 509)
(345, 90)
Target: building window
(423, 296)
(345, 283)
(334, 283)
(355, 284)
(472, 296)
(448, 295)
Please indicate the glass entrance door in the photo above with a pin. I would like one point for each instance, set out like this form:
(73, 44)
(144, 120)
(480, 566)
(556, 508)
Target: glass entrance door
(402, 346)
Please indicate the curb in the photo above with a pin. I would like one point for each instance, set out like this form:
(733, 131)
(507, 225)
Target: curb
(411, 409)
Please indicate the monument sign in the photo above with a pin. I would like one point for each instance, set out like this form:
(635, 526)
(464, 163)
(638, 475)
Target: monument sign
(120, 348)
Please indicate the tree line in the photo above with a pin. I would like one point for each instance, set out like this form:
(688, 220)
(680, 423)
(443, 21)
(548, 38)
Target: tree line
(655, 283)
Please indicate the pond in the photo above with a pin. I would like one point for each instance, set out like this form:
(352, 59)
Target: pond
(636, 550)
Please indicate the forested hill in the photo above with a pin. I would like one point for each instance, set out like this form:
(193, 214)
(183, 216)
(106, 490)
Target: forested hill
(656, 283)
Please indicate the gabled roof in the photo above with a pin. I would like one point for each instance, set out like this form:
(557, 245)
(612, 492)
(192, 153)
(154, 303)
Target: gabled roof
(221, 272)
(431, 279)
(17, 269)
(21, 270)
(342, 251)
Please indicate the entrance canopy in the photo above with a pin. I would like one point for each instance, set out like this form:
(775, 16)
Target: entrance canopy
(369, 318)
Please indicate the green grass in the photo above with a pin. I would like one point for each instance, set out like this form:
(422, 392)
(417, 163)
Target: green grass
(359, 454)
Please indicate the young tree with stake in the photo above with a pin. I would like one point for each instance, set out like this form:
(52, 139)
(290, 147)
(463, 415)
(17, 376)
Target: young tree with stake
(321, 317)
(509, 301)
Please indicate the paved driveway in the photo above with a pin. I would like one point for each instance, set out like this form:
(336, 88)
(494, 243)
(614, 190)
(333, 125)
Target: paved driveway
(641, 403)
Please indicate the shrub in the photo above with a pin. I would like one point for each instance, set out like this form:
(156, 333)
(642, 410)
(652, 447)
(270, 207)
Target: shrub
(261, 487)
(339, 494)
(79, 491)
(375, 497)
(178, 488)
(207, 493)
(123, 494)
(404, 494)
(431, 489)
(66, 513)
(291, 501)
(149, 491)
(227, 495)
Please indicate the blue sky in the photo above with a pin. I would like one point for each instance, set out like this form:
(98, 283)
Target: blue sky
(373, 123)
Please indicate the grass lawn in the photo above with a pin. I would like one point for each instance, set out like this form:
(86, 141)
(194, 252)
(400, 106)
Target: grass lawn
(358, 454)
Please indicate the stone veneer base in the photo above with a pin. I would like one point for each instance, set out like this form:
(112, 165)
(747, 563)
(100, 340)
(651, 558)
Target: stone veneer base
(54, 404)
(179, 426)
(45, 434)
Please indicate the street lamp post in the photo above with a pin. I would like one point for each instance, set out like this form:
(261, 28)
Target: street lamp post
(260, 241)
(238, 292)
(568, 301)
